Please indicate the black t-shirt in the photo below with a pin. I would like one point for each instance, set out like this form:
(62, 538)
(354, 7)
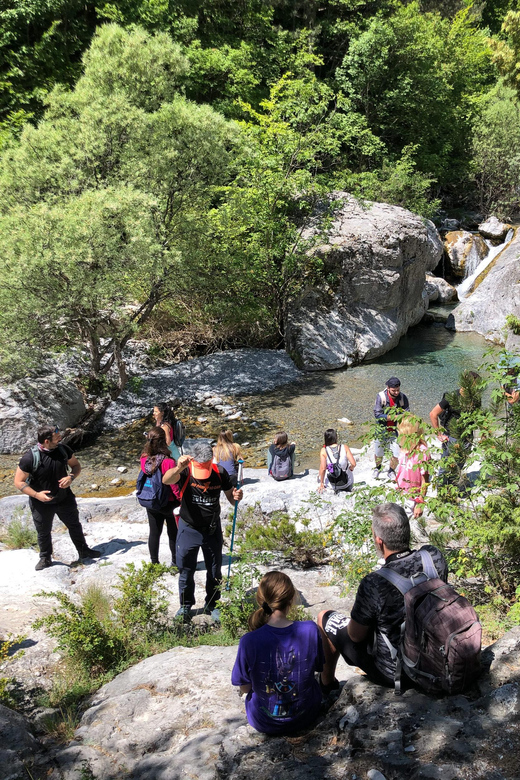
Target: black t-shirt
(380, 606)
(449, 412)
(200, 506)
(52, 468)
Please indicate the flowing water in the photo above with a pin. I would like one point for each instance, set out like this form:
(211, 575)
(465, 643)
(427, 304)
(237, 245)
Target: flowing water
(428, 361)
(474, 269)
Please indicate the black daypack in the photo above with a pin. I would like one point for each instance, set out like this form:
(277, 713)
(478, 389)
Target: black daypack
(151, 492)
(179, 433)
(340, 478)
(440, 635)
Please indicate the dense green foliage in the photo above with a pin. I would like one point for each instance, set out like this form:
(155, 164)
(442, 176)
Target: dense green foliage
(162, 162)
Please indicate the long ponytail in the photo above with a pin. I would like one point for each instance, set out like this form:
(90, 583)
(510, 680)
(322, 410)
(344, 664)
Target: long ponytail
(275, 591)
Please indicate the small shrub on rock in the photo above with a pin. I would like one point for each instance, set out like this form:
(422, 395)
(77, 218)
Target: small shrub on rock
(20, 534)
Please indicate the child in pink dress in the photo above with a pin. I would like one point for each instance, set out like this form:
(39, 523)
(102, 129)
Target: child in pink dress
(411, 472)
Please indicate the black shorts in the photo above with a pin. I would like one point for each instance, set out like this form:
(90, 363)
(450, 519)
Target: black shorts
(335, 625)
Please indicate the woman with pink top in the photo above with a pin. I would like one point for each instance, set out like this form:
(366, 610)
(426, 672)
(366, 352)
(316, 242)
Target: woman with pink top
(412, 472)
(156, 455)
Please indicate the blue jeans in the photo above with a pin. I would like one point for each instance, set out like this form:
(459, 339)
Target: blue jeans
(189, 542)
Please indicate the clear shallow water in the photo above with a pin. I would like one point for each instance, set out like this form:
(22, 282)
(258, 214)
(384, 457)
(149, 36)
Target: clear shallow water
(428, 361)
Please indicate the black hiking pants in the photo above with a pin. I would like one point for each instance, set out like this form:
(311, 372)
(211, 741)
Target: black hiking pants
(156, 520)
(67, 511)
(189, 542)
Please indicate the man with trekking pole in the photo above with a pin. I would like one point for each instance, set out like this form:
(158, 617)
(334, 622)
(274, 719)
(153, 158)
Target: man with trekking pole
(201, 483)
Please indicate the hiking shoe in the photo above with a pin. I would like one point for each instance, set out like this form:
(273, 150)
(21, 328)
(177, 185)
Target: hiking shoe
(327, 689)
(391, 474)
(184, 613)
(43, 563)
(376, 472)
(213, 613)
(88, 553)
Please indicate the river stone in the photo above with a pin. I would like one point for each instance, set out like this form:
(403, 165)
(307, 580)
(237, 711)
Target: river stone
(494, 229)
(465, 250)
(377, 256)
(26, 407)
(439, 290)
(495, 294)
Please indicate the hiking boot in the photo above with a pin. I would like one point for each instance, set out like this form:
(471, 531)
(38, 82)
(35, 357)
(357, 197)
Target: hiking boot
(213, 613)
(184, 613)
(376, 472)
(43, 563)
(88, 553)
(391, 474)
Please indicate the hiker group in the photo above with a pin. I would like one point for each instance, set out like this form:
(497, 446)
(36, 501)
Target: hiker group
(407, 625)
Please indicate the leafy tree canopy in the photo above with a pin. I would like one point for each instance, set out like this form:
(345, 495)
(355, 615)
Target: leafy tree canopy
(104, 204)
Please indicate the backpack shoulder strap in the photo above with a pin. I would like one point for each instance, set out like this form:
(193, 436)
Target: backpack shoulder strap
(185, 485)
(36, 457)
(382, 398)
(215, 469)
(403, 584)
(428, 565)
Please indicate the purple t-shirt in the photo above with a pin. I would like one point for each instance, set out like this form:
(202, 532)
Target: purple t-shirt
(280, 663)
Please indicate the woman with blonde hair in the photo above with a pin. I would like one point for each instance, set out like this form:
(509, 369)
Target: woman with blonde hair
(276, 662)
(411, 472)
(227, 454)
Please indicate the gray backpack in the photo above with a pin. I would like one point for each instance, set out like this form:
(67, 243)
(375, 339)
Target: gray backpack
(440, 636)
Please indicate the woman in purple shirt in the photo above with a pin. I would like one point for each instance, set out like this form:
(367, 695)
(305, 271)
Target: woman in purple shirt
(276, 662)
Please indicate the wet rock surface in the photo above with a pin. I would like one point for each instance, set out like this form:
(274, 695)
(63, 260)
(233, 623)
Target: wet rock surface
(497, 294)
(464, 250)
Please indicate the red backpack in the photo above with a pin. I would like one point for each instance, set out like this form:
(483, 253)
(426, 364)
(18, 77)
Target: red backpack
(440, 636)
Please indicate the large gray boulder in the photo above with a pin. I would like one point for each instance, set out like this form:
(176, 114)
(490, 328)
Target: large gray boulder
(176, 715)
(375, 260)
(26, 406)
(495, 294)
(465, 251)
(439, 290)
(494, 229)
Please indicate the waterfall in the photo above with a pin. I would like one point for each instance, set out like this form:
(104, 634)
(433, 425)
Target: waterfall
(474, 268)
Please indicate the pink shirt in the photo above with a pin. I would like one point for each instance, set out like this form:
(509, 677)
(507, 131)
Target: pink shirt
(409, 479)
(167, 463)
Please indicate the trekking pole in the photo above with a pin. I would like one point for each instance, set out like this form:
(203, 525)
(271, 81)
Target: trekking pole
(239, 480)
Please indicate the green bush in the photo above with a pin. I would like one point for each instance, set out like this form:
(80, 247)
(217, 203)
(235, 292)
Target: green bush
(279, 535)
(20, 533)
(92, 644)
(142, 607)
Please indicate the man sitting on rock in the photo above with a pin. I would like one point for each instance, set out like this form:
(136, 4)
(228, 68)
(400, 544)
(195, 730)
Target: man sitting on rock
(386, 400)
(201, 483)
(43, 475)
(365, 638)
